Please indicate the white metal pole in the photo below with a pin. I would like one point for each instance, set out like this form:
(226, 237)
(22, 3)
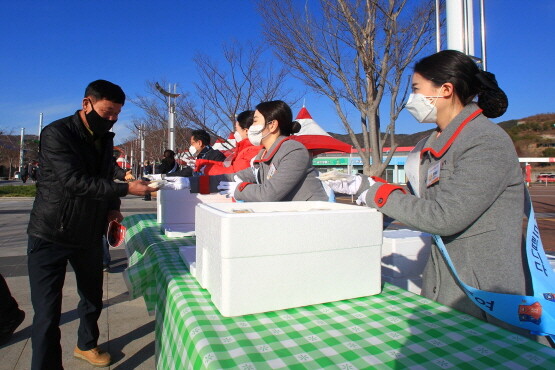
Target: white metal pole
(132, 157)
(142, 136)
(483, 33)
(469, 27)
(40, 123)
(21, 151)
(171, 137)
(438, 27)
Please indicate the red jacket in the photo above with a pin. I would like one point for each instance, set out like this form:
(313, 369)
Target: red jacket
(242, 155)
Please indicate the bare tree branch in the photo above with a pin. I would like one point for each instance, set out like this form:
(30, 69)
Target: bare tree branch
(355, 52)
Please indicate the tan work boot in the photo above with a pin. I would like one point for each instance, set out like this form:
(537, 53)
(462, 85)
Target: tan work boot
(95, 356)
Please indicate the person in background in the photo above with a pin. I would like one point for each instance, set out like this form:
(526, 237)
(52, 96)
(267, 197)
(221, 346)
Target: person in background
(10, 314)
(33, 171)
(467, 185)
(242, 154)
(168, 164)
(24, 174)
(147, 168)
(76, 199)
(281, 171)
(201, 149)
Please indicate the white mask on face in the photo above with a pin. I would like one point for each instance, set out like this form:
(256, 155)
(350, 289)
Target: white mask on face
(192, 150)
(421, 108)
(237, 136)
(255, 134)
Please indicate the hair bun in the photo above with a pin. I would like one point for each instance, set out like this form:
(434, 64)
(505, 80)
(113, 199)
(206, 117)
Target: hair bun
(295, 127)
(491, 98)
(487, 81)
(494, 103)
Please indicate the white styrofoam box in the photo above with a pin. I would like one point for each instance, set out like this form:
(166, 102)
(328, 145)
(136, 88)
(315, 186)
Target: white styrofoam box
(405, 252)
(413, 285)
(258, 257)
(188, 255)
(176, 209)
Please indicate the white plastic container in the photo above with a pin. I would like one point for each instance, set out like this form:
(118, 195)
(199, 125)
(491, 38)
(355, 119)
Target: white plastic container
(405, 253)
(258, 257)
(176, 210)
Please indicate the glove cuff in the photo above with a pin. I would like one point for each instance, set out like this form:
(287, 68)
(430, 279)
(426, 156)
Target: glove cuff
(204, 184)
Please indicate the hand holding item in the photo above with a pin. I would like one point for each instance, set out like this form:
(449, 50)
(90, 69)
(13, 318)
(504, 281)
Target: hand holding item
(177, 183)
(115, 215)
(342, 183)
(227, 188)
(157, 176)
(140, 187)
(157, 184)
(346, 184)
(115, 234)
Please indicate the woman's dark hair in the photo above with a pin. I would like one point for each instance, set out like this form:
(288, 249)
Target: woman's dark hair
(102, 89)
(279, 111)
(468, 80)
(168, 153)
(245, 118)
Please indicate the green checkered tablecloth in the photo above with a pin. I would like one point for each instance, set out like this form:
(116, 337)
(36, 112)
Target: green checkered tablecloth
(395, 329)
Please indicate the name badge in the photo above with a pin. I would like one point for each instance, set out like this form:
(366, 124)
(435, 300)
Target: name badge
(271, 172)
(433, 174)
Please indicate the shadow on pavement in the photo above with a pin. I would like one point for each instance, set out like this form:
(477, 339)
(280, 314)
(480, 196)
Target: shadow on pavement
(140, 356)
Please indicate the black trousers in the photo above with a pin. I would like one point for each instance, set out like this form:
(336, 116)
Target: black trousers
(8, 305)
(47, 263)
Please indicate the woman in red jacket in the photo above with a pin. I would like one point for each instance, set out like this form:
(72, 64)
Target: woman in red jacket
(242, 154)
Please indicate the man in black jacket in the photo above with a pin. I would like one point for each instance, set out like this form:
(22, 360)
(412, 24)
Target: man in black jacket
(76, 198)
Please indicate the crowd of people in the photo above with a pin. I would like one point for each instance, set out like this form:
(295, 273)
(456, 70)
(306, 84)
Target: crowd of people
(474, 204)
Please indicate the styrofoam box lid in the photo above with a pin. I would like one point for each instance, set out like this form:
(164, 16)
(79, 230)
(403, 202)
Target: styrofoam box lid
(169, 195)
(256, 209)
(275, 228)
(403, 233)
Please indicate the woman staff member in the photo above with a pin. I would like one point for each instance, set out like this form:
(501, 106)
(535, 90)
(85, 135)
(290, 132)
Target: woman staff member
(282, 170)
(242, 154)
(468, 183)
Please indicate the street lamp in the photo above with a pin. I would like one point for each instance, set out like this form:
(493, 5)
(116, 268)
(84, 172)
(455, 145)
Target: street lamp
(171, 112)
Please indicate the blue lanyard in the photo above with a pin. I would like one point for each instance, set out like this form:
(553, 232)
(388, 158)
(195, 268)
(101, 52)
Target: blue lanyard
(534, 313)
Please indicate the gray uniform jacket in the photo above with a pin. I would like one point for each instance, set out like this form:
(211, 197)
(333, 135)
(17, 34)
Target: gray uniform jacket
(477, 208)
(284, 174)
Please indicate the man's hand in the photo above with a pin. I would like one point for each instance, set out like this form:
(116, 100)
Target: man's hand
(129, 176)
(115, 215)
(140, 187)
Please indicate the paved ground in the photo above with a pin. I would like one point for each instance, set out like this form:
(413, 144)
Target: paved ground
(127, 332)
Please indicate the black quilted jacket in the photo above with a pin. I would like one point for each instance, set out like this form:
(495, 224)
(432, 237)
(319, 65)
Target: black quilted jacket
(75, 188)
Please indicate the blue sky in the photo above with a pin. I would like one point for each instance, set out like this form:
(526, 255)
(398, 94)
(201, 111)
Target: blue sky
(51, 50)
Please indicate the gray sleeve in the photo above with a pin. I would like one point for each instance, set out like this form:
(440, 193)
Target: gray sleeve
(291, 166)
(481, 175)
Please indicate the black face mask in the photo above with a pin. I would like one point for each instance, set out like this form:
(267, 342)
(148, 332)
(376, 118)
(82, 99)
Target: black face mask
(98, 125)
